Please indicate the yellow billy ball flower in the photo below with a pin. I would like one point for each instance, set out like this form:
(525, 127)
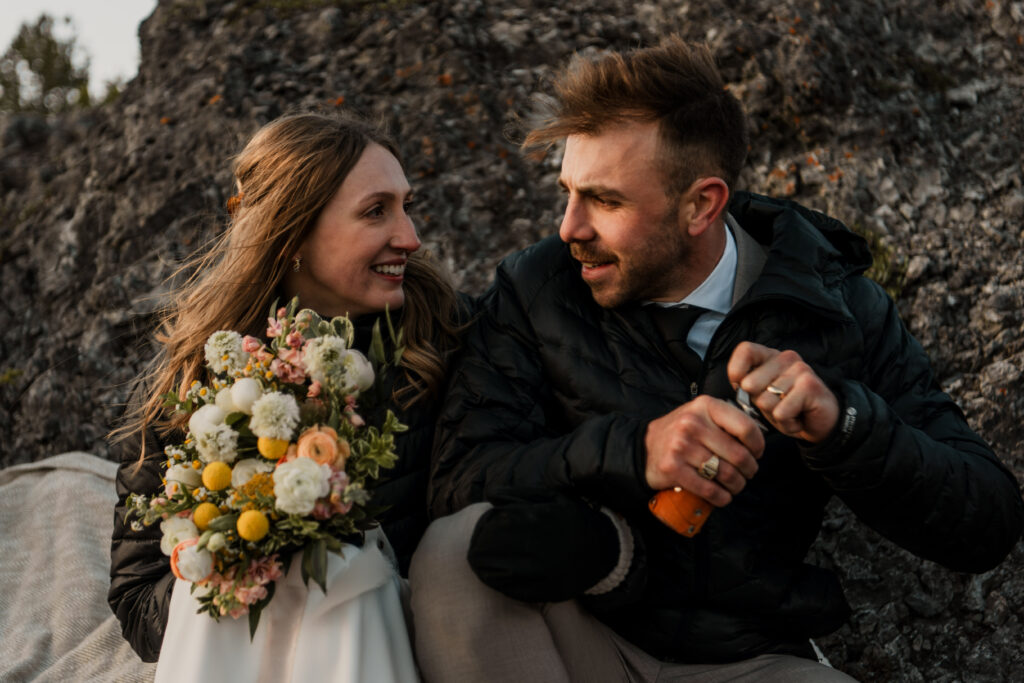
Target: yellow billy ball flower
(253, 525)
(217, 476)
(204, 514)
(271, 449)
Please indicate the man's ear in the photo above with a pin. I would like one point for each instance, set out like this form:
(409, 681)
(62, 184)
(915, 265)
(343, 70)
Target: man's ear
(702, 204)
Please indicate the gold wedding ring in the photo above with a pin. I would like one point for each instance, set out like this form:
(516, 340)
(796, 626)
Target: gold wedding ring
(772, 389)
(709, 468)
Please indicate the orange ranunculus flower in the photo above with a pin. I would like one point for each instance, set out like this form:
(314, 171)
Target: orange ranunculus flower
(322, 445)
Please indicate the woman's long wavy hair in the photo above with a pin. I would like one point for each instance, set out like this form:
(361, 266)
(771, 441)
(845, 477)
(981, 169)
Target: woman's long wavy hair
(286, 175)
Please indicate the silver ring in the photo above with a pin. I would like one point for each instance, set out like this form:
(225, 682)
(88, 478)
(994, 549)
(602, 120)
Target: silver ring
(709, 468)
(772, 389)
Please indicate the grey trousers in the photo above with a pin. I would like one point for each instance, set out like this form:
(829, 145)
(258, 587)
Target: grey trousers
(467, 632)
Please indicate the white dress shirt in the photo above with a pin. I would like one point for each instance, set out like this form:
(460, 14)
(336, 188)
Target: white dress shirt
(714, 294)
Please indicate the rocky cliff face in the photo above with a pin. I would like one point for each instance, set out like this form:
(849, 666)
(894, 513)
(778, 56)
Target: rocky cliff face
(903, 119)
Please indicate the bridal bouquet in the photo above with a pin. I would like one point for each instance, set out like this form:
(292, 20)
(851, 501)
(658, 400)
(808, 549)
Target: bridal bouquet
(276, 460)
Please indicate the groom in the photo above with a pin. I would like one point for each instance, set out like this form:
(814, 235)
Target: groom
(603, 369)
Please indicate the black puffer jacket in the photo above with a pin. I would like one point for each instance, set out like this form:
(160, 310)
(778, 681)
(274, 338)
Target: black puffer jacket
(553, 390)
(141, 579)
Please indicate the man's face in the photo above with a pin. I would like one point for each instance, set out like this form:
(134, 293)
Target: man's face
(627, 233)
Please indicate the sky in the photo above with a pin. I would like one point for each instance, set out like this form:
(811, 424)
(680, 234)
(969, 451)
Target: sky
(107, 30)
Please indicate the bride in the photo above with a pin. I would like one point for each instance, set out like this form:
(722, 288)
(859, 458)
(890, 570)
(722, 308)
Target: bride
(322, 214)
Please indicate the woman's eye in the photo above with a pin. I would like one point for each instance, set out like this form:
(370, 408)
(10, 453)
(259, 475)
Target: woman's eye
(376, 211)
(408, 204)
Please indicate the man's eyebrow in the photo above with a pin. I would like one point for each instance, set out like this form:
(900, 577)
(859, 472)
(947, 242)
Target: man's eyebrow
(595, 191)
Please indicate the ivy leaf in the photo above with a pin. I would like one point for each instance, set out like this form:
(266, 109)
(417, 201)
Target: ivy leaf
(342, 327)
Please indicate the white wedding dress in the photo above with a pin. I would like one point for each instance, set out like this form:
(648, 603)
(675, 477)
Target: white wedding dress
(356, 633)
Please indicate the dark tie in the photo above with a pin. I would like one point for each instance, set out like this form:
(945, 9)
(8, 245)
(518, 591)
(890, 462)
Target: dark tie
(674, 324)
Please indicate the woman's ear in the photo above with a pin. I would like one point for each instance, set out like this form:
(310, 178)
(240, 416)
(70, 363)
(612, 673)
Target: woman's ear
(702, 204)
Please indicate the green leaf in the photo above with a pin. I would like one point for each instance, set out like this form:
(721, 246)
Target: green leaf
(307, 564)
(318, 563)
(377, 355)
(257, 609)
(232, 418)
(273, 309)
(204, 539)
(224, 522)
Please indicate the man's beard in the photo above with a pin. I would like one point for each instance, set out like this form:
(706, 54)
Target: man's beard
(646, 273)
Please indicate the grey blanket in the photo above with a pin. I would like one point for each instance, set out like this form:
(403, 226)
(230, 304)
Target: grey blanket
(56, 518)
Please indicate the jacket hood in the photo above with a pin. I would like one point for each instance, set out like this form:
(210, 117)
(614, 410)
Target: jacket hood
(809, 254)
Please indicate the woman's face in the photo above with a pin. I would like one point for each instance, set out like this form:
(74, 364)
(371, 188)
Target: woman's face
(353, 262)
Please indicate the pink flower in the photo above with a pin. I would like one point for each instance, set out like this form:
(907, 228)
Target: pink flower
(288, 366)
(350, 411)
(265, 570)
(294, 339)
(239, 611)
(282, 312)
(314, 390)
(274, 328)
(251, 344)
(332, 505)
(248, 595)
(322, 510)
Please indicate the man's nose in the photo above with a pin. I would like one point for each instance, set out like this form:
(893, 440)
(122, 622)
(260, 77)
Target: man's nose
(575, 223)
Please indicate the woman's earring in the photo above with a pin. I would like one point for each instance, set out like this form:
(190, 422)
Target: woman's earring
(297, 263)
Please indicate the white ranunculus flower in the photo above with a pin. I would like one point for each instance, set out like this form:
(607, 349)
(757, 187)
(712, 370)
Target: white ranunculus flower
(224, 352)
(194, 564)
(224, 402)
(245, 392)
(275, 416)
(244, 469)
(176, 530)
(205, 418)
(323, 358)
(358, 371)
(298, 483)
(220, 443)
(185, 475)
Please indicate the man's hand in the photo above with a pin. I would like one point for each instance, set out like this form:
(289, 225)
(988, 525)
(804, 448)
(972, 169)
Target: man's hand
(786, 390)
(681, 441)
